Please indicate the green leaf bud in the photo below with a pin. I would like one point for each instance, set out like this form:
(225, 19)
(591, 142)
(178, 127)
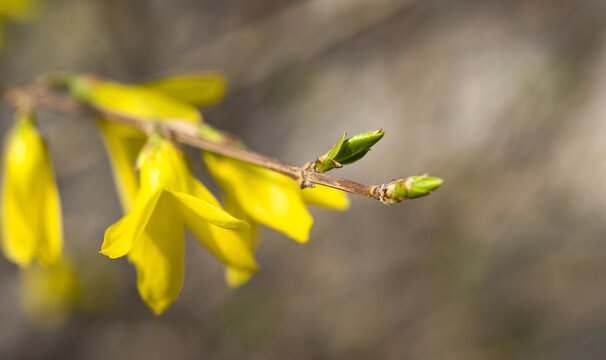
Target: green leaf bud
(348, 151)
(410, 188)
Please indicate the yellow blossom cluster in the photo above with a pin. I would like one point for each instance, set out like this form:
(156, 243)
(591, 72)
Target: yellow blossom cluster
(159, 195)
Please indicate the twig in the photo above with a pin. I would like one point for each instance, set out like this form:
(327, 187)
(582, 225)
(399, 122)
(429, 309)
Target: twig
(187, 133)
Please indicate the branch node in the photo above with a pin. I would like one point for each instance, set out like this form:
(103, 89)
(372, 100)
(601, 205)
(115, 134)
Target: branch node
(303, 182)
(380, 193)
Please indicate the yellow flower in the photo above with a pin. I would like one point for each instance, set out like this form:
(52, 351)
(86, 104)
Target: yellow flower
(135, 101)
(262, 196)
(30, 211)
(50, 294)
(19, 10)
(152, 233)
(198, 89)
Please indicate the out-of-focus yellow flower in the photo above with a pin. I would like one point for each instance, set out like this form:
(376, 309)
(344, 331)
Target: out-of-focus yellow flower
(135, 101)
(262, 196)
(198, 89)
(19, 10)
(50, 294)
(30, 212)
(152, 233)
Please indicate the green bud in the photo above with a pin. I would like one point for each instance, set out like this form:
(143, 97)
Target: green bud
(348, 151)
(410, 188)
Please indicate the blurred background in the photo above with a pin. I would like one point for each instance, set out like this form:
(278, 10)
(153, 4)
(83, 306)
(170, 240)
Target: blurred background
(505, 100)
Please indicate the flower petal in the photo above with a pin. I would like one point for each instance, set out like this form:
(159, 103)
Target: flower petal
(267, 197)
(229, 246)
(214, 228)
(49, 249)
(235, 276)
(326, 197)
(31, 218)
(158, 256)
(132, 100)
(194, 208)
(18, 234)
(201, 192)
(123, 144)
(120, 237)
(201, 89)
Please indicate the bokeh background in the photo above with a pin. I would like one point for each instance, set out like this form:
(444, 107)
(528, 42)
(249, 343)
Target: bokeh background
(506, 100)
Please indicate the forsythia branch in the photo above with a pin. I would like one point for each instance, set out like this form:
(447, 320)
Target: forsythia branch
(41, 95)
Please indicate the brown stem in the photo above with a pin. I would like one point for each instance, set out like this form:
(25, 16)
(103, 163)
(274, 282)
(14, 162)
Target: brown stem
(185, 133)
